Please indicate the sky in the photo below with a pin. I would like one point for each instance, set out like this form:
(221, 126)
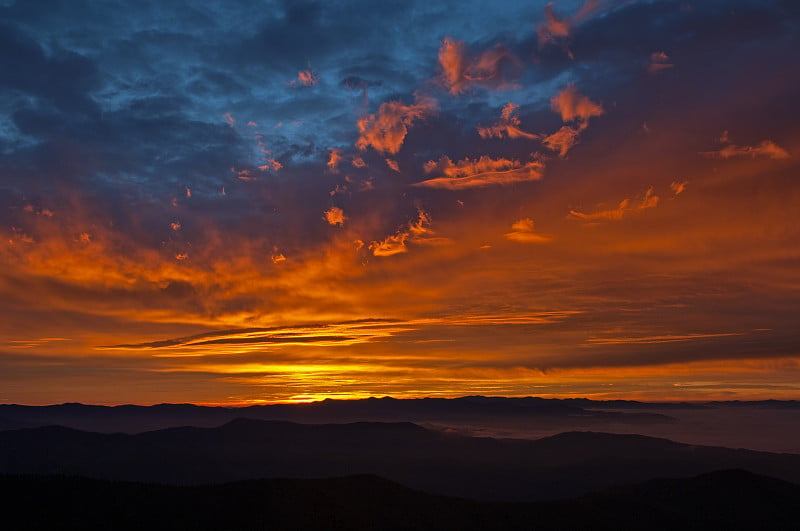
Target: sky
(236, 202)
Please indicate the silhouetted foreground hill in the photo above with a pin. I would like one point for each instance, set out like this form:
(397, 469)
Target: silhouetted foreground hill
(471, 409)
(721, 500)
(564, 465)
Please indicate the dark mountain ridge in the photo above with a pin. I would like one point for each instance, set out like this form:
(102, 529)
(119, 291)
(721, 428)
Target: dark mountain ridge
(564, 465)
(478, 409)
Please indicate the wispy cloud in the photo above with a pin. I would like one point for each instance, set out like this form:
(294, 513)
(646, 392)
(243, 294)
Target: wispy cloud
(391, 245)
(507, 126)
(668, 338)
(678, 187)
(334, 158)
(524, 231)
(481, 172)
(556, 29)
(494, 68)
(418, 232)
(36, 343)
(625, 208)
(576, 109)
(563, 140)
(658, 61)
(765, 148)
(235, 340)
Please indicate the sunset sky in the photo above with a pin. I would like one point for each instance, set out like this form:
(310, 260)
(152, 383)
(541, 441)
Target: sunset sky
(231, 202)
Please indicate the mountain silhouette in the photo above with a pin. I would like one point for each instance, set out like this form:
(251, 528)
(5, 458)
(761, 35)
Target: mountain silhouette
(564, 465)
(479, 410)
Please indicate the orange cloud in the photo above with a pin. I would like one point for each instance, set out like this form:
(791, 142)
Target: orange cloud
(34, 343)
(678, 187)
(574, 106)
(459, 71)
(555, 29)
(563, 140)
(340, 189)
(390, 246)
(422, 234)
(767, 148)
(452, 61)
(335, 216)
(485, 171)
(83, 254)
(524, 231)
(386, 130)
(46, 212)
(658, 61)
(19, 236)
(508, 125)
(305, 78)
(334, 159)
(626, 207)
(670, 338)
(393, 165)
(417, 232)
(245, 175)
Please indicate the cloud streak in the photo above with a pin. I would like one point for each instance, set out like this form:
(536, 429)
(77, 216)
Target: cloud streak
(524, 231)
(659, 61)
(625, 208)
(765, 148)
(508, 126)
(417, 232)
(479, 173)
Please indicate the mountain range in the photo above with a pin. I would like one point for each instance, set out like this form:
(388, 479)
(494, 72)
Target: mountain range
(477, 410)
(564, 465)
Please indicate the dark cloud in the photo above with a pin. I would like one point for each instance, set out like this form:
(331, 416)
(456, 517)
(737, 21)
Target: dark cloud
(60, 79)
(358, 83)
